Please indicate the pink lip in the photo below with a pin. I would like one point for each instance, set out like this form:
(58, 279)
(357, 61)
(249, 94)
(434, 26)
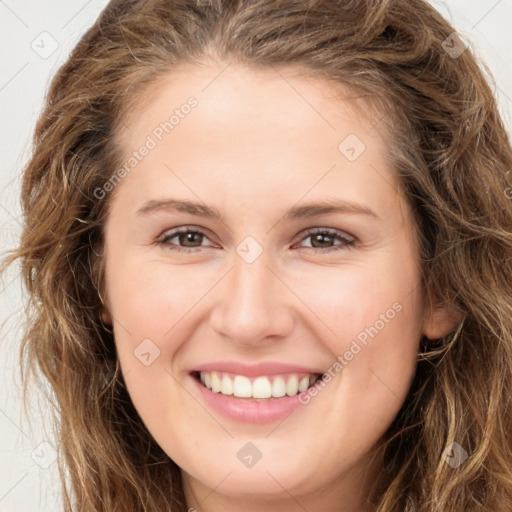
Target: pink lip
(247, 411)
(254, 370)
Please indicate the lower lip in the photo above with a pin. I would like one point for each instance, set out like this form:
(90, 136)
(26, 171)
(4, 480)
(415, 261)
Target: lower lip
(246, 411)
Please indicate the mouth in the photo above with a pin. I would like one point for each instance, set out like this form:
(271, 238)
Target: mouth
(262, 388)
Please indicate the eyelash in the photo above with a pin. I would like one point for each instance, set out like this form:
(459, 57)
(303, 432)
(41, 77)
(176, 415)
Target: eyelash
(348, 241)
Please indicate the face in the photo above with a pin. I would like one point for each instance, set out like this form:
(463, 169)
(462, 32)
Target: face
(258, 242)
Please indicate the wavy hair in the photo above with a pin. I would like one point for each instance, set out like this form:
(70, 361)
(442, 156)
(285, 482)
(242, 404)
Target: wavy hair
(450, 150)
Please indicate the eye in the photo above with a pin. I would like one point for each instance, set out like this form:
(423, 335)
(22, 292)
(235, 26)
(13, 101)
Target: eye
(192, 239)
(322, 236)
(189, 239)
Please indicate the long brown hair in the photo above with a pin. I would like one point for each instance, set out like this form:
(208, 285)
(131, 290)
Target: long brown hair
(454, 159)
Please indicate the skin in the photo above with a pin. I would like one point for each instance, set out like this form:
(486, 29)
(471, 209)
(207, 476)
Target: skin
(253, 148)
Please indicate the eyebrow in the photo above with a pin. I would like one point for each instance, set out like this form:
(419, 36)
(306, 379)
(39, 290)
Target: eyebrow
(305, 211)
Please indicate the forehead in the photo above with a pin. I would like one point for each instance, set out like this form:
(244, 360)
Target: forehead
(227, 93)
(252, 131)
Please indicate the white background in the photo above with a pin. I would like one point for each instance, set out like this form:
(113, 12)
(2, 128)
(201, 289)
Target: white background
(26, 484)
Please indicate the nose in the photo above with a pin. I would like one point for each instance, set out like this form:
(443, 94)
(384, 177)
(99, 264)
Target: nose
(253, 303)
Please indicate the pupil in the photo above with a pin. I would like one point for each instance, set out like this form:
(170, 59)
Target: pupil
(323, 239)
(188, 237)
(318, 239)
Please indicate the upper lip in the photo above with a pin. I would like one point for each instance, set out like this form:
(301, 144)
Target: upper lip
(255, 370)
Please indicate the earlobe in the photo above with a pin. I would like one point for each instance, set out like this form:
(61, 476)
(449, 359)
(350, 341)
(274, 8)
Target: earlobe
(106, 317)
(440, 320)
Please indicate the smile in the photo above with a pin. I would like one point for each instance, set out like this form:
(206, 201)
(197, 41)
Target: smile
(257, 388)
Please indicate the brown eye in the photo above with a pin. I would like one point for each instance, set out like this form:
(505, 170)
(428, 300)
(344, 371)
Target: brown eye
(185, 239)
(323, 239)
(191, 240)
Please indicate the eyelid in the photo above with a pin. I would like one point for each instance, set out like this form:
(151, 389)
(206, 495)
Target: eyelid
(347, 239)
(171, 233)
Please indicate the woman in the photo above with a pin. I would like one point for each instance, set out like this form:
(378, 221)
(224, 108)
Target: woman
(261, 369)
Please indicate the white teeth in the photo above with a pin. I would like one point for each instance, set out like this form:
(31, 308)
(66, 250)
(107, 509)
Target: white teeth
(292, 386)
(241, 387)
(259, 387)
(278, 387)
(304, 383)
(216, 384)
(226, 386)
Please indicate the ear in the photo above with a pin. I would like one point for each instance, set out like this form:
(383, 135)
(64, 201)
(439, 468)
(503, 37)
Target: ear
(106, 317)
(440, 320)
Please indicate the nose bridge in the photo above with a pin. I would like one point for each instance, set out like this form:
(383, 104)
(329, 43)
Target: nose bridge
(253, 301)
(251, 281)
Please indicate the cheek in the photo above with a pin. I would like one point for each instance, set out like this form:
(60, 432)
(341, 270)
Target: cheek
(364, 304)
(149, 304)
(371, 324)
(371, 321)
(150, 298)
